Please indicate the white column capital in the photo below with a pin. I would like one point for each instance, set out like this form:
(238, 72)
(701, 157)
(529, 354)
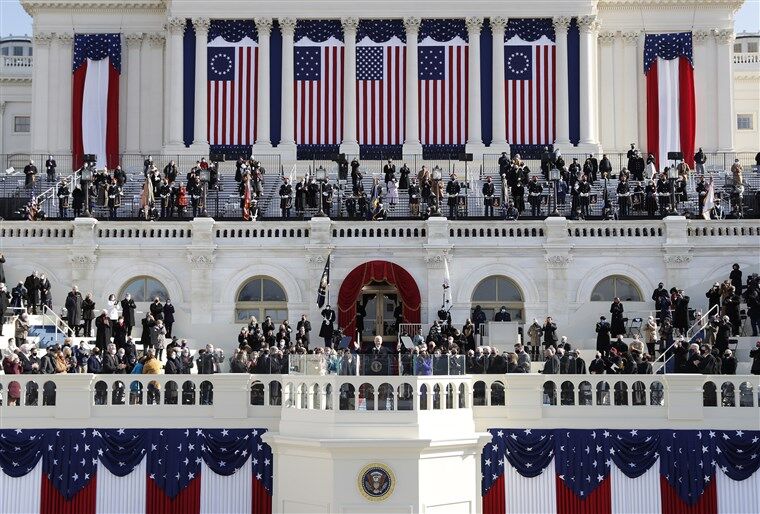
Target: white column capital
(724, 36)
(175, 26)
(630, 38)
(561, 23)
(587, 24)
(263, 26)
(474, 24)
(201, 24)
(607, 38)
(412, 25)
(2, 106)
(65, 39)
(288, 26)
(155, 40)
(350, 25)
(499, 23)
(701, 36)
(134, 40)
(43, 38)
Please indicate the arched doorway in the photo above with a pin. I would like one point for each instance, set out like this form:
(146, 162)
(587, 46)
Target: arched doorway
(383, 284)
(381, 303)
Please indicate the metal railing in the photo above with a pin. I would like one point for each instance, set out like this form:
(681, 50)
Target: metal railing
(694, 329)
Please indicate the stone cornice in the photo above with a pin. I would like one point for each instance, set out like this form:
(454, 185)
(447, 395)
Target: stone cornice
(668, 4)
(34, 6)
(16, 79)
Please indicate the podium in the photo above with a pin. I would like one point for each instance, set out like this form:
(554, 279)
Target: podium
(503, 335)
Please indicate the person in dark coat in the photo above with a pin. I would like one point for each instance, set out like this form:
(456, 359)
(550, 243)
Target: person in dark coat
(74, 310)
(736, 278)
(597, 366)
(731, 309)
(147, 324)
(128, 307)
(617, 326)
(120, 329)
(5, 302)
(755, 355)
(32, 285)
(713, 296)
(168, 317)
(2, 270)
(18, 297)
(103, 330)
(88, 314)
(111, 361)
(157, 309)
(551, 364)
(681, 312)
(603, 337)
(326, 330)
(550, 332)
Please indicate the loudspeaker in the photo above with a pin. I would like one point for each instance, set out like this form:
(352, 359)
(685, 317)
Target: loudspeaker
(675, 156)
(216, 157)
(90, 157)
(465, 157)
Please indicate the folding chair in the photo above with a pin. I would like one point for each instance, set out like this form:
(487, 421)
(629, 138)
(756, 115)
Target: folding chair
(634, 327)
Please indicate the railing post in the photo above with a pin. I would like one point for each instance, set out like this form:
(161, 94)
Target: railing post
(230, 395)
(73, 396)
(684, 396)
(523, 396)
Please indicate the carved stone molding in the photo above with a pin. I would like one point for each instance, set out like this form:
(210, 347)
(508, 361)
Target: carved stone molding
(65, 39)
(725, 36)
(2, 106)
(561, 23)
(350, 25)
(677, 259)
(43, 38)
(630, 38)
(263, 26)
(607, 38)
(701, 36)
(288, 26)
(315, 260)
(201, 24)
(436, 259)
(176, 25)
(474, 24)
(155, 40)
(587, 24)
(499, 23)
(134, 40)
(412, 25)
(84, 261)
(558, 261)
(201, 261)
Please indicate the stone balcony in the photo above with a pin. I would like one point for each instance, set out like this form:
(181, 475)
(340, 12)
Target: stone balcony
(16, 67)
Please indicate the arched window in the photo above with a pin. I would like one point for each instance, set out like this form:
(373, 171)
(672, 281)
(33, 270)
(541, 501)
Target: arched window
(616, 287)
(261, 297)
(144, 289)
(493, 292)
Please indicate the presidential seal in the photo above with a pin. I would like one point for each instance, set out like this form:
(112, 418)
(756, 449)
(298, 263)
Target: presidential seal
(376, 482)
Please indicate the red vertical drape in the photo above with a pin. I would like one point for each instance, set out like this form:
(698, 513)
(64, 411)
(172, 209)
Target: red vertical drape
(673, 504)
(187, 501)
(495, 501)
(261, 500)
(377, 271)
(112, 123)
(653, 114)
(53, 502)
(77, 97)
(598, 502)
(687, 109)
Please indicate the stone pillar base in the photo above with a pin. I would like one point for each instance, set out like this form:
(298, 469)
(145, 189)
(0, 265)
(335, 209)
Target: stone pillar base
(349, 148)
(263, 148)
(412, 148)
(200, 148)
(498, 148)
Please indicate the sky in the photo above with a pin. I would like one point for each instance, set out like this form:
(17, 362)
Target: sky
(14, 20)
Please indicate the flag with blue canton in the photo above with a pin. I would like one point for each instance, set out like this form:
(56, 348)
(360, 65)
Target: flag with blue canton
(581, 461)
(667, 46)
(96, 47)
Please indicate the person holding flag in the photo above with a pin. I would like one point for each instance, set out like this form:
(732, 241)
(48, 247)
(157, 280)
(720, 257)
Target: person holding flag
(709, 201)
(327, 329)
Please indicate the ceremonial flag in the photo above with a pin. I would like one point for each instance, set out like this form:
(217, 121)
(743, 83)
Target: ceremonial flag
(319, 59)
(324, 284)
(529, 81)
(621, 471)
(233, 73)
(446, 282)
(709, 204)
(380, 82)
(96, 67)
(443, 85)
(671, 107)
(182, 471)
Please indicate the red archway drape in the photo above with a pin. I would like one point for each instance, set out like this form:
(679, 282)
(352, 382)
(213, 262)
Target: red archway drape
(377, 271)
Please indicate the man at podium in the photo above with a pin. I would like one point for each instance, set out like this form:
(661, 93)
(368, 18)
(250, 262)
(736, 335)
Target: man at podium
(376, 361)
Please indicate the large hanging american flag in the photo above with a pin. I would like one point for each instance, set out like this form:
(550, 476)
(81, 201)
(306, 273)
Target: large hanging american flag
(380, 82)
(671, 105)
(621, 471)
(319, 58)
(443, 86)
(96, 68)
(529, 81)
(232, 82)
(88, 471)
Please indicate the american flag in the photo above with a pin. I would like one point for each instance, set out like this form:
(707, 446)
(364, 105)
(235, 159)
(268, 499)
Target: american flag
(443, 85)
(381, 82)
(529, 81)
(232, 82)
(319, 59)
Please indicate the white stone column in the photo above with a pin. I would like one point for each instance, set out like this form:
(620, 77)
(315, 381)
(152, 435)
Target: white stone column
(706, 134)
(608, 119)
(588, 89)
(631, 71)
(263, 138)
(175, 81)
(152, 131)
(200, 121)
(61, 141)
(412, 143)
(616, 81)
(40, 101)
(2, 125)
(498, 116)
(642, 85)
(474, 130)
(287, 144)
(134, 42)
(53, 74)
(350, 144)
(561, 26)
(724, 66)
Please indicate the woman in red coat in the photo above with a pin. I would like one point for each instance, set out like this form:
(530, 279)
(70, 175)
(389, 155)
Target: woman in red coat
(12, 366)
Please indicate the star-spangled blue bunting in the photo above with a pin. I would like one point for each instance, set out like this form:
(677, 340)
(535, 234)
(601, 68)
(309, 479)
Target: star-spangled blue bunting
(582, 459)
(529, 29)
(319, 31)
(381, 31)
(443, 30)
(667, 46)
(233, 30)
(96, 47)
(174, 456)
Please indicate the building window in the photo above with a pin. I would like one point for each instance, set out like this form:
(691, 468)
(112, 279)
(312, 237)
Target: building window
(145, 289)
(744, 122)
(261, 297)
(21, 124)
(494, 292)
(4, 50)
(18, 51)
(616, 287)
(752, 47)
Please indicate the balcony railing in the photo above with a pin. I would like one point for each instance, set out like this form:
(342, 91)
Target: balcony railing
(747, 58)
(10, 65)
